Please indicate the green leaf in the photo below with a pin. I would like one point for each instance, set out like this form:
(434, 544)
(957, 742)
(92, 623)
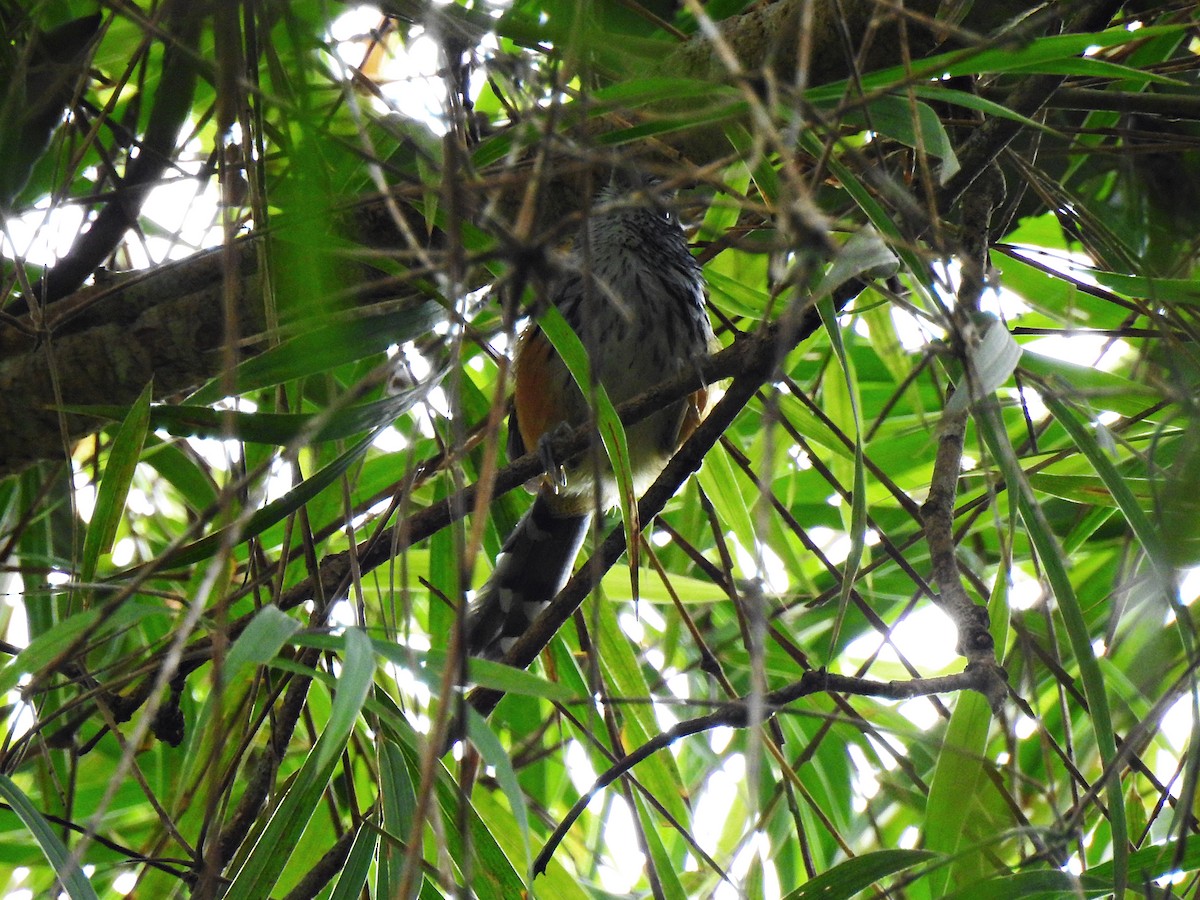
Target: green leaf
(858, 498)
(73, 881)
(954, 819)
(893, 116)
(665, 870)
(1089, 489)
(939, 93)
(1184, 291)
(1048, 54)
(1096, 68)
(624, 678)
(1055, 566)
(281, 429)
(355, 680)
(864, 255)
(493, 754)
(1147, 535)
(257, 876)
(1046, 885)
(262, 640)
(723, 489)
(1121, 395)
(276, 510)
(852, 876)
(1179, 515)
(46, 647)
(428, 665)
(398, 797)
(176, 467)
(322, 347)
(357, 868)
(114, 486)
(568, 346)
(1153, 862)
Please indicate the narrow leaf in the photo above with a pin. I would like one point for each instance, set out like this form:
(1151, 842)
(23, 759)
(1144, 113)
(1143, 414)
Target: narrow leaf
(357, 676)
(358, 865)
(1054, 565)
(494, 755)
(858, 498)
(114, 486)
(257, 877)
(568, 346)
(428, 666)
(323, 347)
(263, 638)
(276, 510)
(75, 882)
(46, 647)
(847, 879)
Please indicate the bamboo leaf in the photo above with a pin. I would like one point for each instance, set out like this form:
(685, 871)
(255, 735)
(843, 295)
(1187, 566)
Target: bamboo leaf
(266, 862)
(357, 868)
(568, 346)
(46, 647)
(322, 347)
(73, 880)
(276, 510)
(849, 878)
(114, 486)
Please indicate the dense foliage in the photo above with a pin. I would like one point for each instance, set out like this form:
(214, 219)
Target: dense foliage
(263, 267)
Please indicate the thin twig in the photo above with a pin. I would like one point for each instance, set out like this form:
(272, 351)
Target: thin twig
(736, 714)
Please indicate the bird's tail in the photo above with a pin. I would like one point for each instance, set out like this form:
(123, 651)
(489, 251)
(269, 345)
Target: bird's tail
(532, 567)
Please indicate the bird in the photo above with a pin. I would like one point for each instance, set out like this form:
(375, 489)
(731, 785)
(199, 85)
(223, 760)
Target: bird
(635, 296)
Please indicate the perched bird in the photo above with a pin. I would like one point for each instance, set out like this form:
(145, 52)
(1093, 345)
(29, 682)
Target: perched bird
(634, 295)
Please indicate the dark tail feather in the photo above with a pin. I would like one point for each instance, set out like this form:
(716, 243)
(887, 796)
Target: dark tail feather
(533, 566)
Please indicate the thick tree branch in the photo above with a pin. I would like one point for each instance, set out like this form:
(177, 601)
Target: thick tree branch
(162, 325)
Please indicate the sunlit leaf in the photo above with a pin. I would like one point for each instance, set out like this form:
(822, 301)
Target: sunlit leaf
(114, 487)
